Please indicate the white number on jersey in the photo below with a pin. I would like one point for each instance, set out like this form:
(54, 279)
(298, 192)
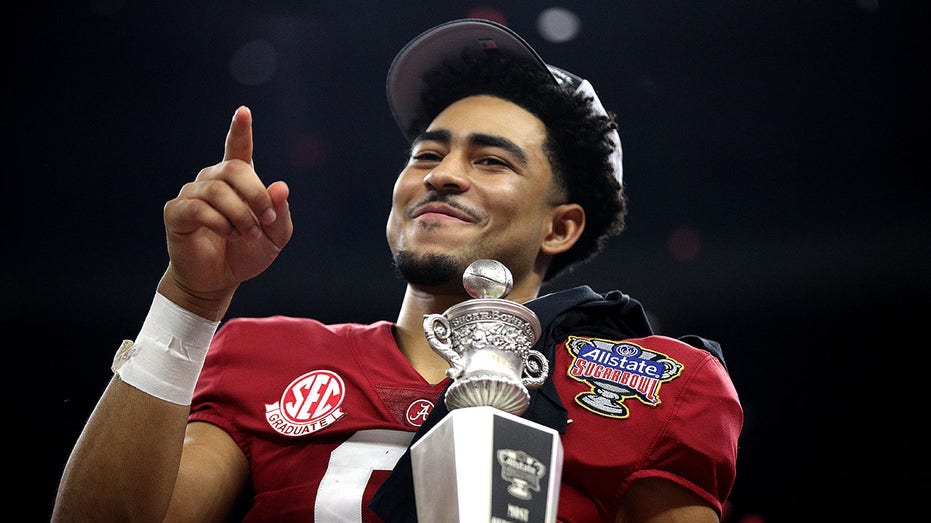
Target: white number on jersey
(339, 497)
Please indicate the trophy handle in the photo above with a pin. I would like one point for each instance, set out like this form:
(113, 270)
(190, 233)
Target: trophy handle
(438, 332)
(536, 369)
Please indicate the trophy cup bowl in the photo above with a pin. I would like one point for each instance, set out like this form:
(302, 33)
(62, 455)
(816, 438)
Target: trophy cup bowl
(487, 342)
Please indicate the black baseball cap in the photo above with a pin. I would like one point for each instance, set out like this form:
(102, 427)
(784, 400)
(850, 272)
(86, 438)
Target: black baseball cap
(446, 42)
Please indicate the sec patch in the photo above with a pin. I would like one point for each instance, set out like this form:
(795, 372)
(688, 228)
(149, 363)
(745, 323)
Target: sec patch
(309, 403)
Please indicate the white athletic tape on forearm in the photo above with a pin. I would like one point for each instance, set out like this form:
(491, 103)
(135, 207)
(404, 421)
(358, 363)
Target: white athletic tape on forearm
(168, 354)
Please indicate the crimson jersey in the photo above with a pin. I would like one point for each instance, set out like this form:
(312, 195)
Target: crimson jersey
(323, 413)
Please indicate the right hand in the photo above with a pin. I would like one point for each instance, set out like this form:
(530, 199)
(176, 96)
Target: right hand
(223, 228)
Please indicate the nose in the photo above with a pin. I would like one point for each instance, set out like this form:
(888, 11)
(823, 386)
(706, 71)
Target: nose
(450, 175)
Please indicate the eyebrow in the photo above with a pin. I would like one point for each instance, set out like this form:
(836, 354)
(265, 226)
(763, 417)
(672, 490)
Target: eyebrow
(476, 140)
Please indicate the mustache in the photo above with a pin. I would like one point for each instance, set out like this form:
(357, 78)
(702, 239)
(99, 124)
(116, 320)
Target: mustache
(447, 199)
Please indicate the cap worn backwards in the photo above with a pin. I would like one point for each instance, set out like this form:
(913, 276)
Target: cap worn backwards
(445, 42)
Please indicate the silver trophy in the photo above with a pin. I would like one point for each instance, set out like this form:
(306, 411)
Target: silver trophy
(482, 461)
(487, 342)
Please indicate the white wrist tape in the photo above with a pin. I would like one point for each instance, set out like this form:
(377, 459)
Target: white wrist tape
(168, 354)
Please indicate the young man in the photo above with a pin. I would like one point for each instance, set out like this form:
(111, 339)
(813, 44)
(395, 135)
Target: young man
(293, 420)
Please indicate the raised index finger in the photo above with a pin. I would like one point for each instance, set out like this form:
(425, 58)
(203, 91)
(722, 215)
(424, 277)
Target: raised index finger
(239, 138)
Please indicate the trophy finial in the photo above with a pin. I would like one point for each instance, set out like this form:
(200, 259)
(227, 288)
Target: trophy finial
(487, 279)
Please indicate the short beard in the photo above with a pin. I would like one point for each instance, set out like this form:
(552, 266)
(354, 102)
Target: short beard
(429, 270)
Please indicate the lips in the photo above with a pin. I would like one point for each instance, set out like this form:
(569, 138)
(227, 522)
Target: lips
(443, 209)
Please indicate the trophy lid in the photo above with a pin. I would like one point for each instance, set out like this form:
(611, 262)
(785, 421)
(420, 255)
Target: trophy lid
(488, 282)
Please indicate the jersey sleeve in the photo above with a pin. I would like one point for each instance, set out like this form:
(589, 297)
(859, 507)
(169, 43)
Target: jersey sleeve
(215, 393)
(698, 445)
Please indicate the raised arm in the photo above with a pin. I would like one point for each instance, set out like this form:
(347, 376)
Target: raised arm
(222, 229)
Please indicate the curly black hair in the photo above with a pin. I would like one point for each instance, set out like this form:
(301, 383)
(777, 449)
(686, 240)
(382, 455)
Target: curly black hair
(578, 144)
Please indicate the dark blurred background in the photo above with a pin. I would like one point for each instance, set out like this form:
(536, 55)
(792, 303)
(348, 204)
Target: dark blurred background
(775, 159)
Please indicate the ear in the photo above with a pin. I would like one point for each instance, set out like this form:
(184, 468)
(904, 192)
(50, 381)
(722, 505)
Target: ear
(566, 226)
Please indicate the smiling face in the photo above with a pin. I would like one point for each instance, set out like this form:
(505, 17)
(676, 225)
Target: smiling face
(477, 185)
